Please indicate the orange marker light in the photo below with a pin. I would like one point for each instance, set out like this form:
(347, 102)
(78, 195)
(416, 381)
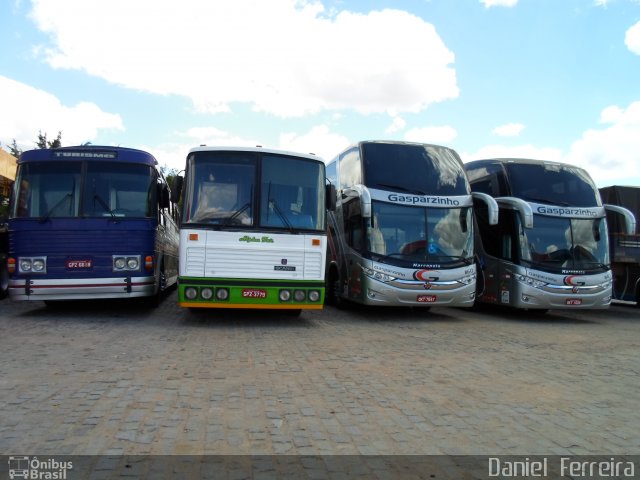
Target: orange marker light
(148, 262)
(11, 265)
(315, 242)
(193, 236)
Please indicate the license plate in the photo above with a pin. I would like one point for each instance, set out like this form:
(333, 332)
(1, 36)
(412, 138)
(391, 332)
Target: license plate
(573, 301)
(75, 264)
(253, 293)
(427, 298)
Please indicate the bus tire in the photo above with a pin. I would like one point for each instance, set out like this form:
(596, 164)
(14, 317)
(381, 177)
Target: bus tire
(156, 299)
(333, 291)
(4, 283)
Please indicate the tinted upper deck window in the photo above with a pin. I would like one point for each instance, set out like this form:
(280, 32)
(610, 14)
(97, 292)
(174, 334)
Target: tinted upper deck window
(421, 169)
(555, 184)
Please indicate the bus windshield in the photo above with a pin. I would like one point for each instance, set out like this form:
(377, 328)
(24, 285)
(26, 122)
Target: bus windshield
(419, 169)
(552, 183)
(405, 234)
(225, 191)
(566, 243)
(60, 190)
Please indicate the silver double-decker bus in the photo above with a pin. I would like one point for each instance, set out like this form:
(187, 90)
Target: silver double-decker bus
(550, 248)
(402, 232)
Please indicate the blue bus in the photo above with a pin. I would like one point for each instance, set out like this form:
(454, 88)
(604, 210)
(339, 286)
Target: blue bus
(90, 222)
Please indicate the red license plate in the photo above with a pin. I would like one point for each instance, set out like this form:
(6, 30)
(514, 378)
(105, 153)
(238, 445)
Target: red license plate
(75, 264)
(427, 298)
(573, 301)
(253, 293)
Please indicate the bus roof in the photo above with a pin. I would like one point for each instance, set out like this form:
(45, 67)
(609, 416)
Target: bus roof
(205, 148)
(90, 153)
(521, 161)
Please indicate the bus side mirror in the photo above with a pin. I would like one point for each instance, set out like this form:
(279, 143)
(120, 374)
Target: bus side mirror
(523, 208)
(163, 196)
(178, 181)
(330, 197)
(492, 206)
(629, 217)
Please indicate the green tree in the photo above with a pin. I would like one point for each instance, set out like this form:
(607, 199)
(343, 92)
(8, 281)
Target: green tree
(14, 149)
(42, 141)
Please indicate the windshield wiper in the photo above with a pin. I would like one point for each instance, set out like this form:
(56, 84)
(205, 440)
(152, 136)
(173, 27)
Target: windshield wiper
(282, 216)
(46, 216)
(104, 205)
(403, 189)
(547, 201)
(228, 220)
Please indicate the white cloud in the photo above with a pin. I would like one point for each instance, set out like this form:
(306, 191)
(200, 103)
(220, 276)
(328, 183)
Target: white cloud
(396, 125)
(517, 151)
(632, 39)
(27, 111)
(284, 57)
(509, 130)
(214, 136)
(498, 3)
(612, 152)
(438, 135)
(319, 140)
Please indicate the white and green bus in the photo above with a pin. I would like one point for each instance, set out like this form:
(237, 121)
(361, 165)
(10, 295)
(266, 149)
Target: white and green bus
(253, 231)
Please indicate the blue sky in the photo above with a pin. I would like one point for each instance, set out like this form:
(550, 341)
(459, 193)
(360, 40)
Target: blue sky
(550, 79)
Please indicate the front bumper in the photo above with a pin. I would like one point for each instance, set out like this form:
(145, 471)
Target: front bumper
(81, 289)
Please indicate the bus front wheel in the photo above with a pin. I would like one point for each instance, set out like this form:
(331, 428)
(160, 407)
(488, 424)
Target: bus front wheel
(333, 291)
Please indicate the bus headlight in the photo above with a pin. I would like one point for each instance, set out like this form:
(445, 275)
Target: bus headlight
(31, 264)
(190, 293)
(38, 265)
(314, 295)
(132, 263)
(222, 294)
(299, 295)
(468, 279)
(284, 295)
(206, 293)
(381, 277)
(126, 263)
(532, 282)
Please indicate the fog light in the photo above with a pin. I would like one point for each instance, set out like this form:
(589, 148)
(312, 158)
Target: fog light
(314, 295)
(206, 293)
(284, 295)
(222, 294)
(299, 295)
(191, 293)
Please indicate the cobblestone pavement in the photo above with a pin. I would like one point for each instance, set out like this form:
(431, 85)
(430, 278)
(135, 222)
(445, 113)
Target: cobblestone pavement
(113, 378)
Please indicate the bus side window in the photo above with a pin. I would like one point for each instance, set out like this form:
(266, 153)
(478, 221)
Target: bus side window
(353, 224)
